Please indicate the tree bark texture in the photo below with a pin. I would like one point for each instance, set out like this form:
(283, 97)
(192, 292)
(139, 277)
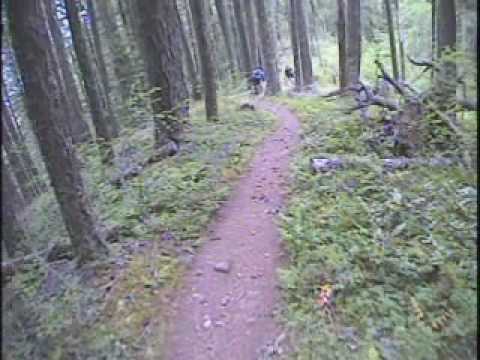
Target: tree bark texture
(244, 49)
(101, 115)
(297, 65)
(209, 76)
(269, 46)
(303, 42)
(391, 37)
(160, 41)
(354, 42)
(341, 44)
(46, 109)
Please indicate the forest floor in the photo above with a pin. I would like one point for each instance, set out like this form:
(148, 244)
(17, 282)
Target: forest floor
(226, 307)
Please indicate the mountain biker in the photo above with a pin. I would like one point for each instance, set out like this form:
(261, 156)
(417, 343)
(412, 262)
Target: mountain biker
(257, 79)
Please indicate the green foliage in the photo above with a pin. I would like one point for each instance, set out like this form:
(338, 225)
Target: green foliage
(73, 315)
(399, 250)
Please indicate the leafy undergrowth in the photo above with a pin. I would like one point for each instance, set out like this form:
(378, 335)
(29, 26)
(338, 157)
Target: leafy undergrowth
(383, 265)
(113, 309)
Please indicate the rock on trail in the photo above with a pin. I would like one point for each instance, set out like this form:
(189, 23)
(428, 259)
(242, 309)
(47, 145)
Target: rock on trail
(231, 317)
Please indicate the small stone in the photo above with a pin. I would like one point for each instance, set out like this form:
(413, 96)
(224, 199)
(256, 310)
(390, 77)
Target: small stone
(267, 255)
(215, 238)
(225, 301)
(251, 320)
(198, 273)
(207, 324)
(201, 299)
(223, 267)
(219, 323)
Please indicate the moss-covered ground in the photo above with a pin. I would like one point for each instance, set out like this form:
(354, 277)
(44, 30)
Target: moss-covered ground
(382, 265)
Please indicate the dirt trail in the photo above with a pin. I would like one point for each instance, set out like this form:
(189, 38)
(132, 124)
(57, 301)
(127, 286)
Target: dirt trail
(229, 315)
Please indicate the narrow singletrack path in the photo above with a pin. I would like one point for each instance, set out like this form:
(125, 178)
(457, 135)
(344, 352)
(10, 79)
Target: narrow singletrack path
(229, 315)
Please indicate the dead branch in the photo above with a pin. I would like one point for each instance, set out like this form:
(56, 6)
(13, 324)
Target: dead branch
(425, 63)
(389, 79)
(370, 99)
(10, 267)
(334, 162)
(340, 92)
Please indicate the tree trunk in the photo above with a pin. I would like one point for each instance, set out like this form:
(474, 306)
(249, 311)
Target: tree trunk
(20, 147)
(391, 36)
(160, 41)
(277, 12)
(121, 61)
(193, 74)
(98, 48)
(102, 119)
(400, 41)
(236, 37)
(269, 49)
(12, 232)
(446, 42)
(192, 38)
(354, 42)
(247, 65)
(104, 87)
(23, 176)
(78, 127)
(303, 42)
(37, 64)
(434, 35)
(341, 43)
(255, 58)
(297, 65)
(209, 75)
(227, 35)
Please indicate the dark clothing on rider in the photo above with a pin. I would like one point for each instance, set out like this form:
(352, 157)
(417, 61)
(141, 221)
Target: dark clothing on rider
(258, 75)
(289, 74)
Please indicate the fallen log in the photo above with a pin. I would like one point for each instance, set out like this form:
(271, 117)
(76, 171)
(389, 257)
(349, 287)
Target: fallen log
(10, 267)
(468, 105)
(333, 163)
(247, 106)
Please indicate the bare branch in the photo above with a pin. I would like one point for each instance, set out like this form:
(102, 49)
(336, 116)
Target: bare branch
(389, 78)
(426, 63)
